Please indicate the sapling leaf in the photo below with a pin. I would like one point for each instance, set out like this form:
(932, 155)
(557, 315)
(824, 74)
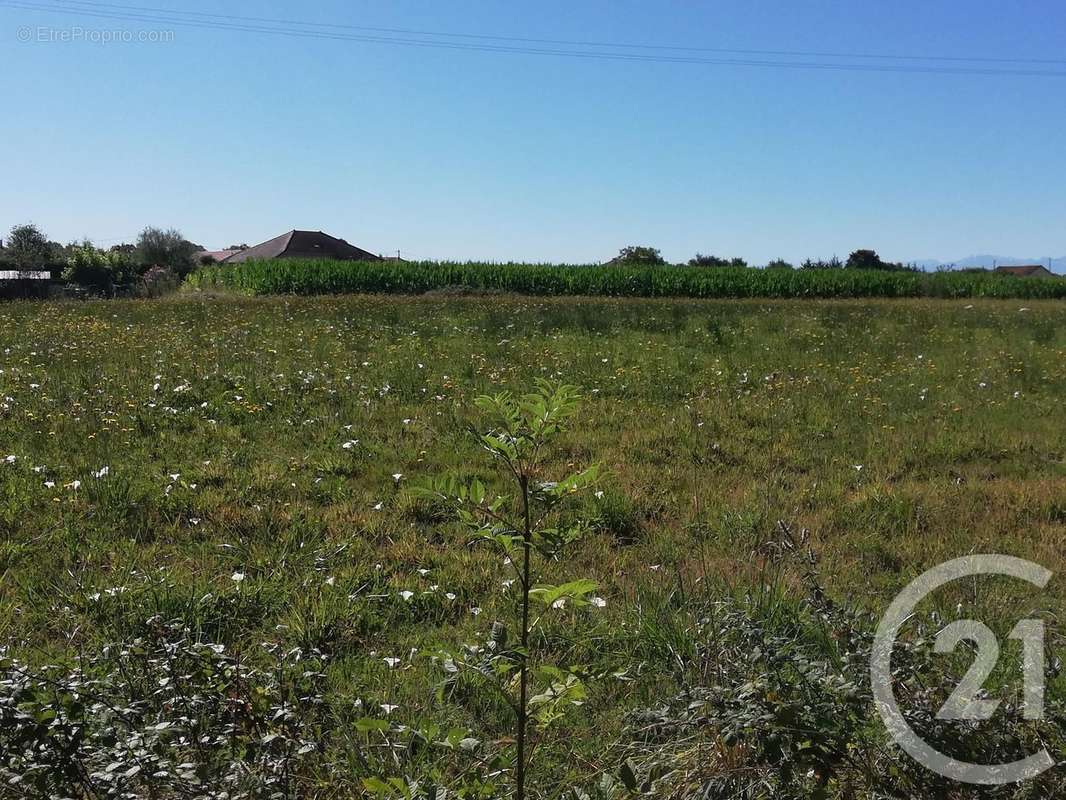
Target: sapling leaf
(366, 725)
(628, 775)
(574, 590)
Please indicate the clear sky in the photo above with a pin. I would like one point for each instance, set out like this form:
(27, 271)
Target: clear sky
(234, 135)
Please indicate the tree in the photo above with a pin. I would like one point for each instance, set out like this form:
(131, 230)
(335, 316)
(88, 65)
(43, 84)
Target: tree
(165, 248)
(779, 263)
(868, 259)
(865, 259)
(28, 247)
(700, 260)
(639, 255)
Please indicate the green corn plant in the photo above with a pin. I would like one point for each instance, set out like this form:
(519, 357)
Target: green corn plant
(310, 277)
(524, 525)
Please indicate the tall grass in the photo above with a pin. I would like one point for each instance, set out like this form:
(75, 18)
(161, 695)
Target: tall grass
(260, 453)
(308, 277)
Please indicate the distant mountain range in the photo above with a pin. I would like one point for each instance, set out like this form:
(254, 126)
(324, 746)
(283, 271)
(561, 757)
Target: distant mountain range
(1058, 265)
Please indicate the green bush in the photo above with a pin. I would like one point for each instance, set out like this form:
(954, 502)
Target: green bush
(97, 270)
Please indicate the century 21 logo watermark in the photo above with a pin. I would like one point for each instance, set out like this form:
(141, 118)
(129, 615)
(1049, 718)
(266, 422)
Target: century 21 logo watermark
(964, 703)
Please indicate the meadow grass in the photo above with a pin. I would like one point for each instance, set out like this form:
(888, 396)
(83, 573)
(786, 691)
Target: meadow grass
(240, 465)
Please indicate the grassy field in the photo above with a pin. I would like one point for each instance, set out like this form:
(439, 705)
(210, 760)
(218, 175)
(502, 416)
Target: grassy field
(238, 467)
(307, 276)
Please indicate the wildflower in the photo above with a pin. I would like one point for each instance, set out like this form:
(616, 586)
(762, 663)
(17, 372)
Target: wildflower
(237, 577)
(598, 602)
(75, 485)
(11, 459)
(379, 506)
(396, 476)
(475, 610)
(391, 661)
(406, 594)
(331, 580)
(102, 472)
(49, 484)
(450, 595)
(348, 445)
(388, 708)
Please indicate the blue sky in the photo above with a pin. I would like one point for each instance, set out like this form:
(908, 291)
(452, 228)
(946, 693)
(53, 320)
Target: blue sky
(238, 136)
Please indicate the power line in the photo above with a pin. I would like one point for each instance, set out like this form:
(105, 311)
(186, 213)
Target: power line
(167, 18)
(572, 42)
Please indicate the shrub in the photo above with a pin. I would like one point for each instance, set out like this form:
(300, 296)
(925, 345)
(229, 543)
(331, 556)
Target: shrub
(700, 260)
(96, 270)
(158, 281)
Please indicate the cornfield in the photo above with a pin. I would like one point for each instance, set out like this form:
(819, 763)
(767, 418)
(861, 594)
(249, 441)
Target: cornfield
(310, 277)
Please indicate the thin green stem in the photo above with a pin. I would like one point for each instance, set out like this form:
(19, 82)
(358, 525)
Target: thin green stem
(523, 710)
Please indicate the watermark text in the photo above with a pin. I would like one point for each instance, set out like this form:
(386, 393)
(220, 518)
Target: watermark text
(75, 34)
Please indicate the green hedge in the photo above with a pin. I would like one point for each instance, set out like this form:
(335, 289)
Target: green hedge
(307, 277)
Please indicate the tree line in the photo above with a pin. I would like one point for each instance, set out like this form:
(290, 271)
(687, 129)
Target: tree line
(644, 256)
(157, 253)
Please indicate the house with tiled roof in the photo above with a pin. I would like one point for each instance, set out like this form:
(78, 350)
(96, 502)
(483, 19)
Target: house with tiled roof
(1026, 271)
(302, 244)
